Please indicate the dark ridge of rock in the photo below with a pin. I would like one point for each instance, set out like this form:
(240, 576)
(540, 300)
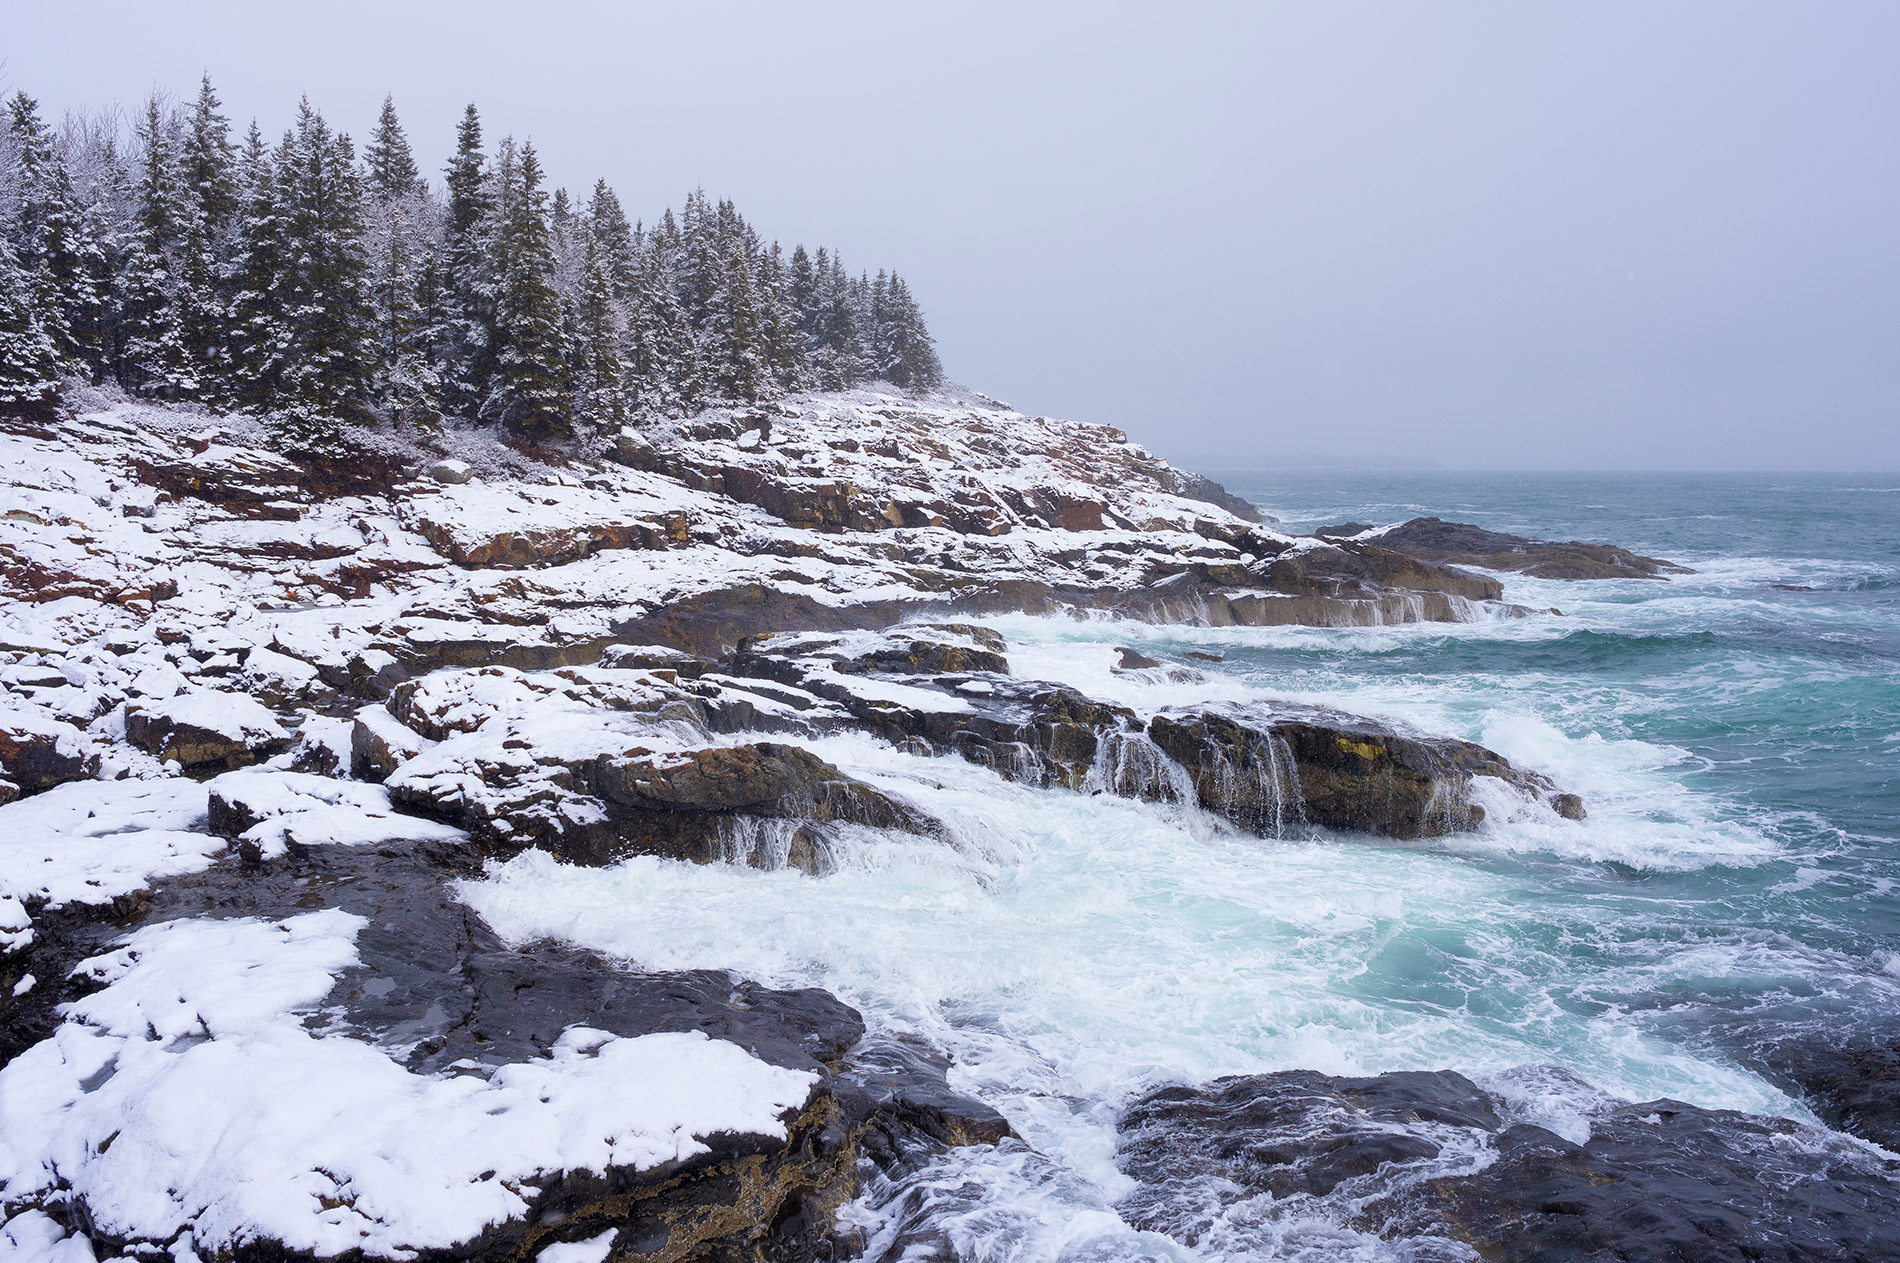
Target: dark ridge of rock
(761, 803)
(441, 992)
(690, 808)
(1344, 568)
(1193, 486)
(1458, 543)
(961, 647)
(1368, 588)
(1657, 1182)
(1271, 772)
(1345, 530)
(1127, 659)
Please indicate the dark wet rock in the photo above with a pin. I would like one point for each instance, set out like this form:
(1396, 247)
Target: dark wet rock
(38, 752)
(693, 808)
(1273, 771)
(1849, 1078)
(1197, 656)
(1419, 1157)
(1346, 568)
(1127, 659)
(62, 937)
(1345, 530)
(1790, 587)
(1457, 543)
(762, 803)
(943, 648)
(440, 991)
(1665, 1181)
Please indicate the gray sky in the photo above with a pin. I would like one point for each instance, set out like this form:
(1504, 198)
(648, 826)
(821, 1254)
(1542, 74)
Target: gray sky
(1603, 235)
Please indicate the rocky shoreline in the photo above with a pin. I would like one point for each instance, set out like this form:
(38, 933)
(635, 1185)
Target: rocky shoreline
(269, 717)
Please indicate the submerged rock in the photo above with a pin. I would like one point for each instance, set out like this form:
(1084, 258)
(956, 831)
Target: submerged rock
(1457, 543)
(1271, 771)
(1418, 1157)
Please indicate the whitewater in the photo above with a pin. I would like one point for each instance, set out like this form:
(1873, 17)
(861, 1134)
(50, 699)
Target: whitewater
(1735, 880)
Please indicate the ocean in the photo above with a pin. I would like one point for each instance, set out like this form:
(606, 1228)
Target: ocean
(1735, 734)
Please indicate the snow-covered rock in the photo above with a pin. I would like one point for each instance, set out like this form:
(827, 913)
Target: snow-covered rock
(195, 729)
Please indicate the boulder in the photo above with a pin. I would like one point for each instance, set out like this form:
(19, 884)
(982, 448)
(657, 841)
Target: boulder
(206, 729)
(380, 743)
(451, 472)
(595, 786)
(38, 752)
(1127, 659)
(1396, 1153)
(1272, 772)
(1457, 543)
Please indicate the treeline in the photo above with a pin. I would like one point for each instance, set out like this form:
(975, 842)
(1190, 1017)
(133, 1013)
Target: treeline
(303, 282)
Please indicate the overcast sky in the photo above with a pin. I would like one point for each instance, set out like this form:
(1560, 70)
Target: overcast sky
(1602, 235)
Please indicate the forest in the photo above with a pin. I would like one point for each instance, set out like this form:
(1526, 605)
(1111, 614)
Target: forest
(320, 287)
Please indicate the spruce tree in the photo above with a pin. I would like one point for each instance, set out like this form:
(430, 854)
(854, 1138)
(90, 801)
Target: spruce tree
(530, 390)
(29, 355)
(389, 164)
(53, 248)
(257, 332)
(910, 352)
(599, 401)
(406, 386)
(155, 361)
(613, 236)
(466, 352)
(328, 314)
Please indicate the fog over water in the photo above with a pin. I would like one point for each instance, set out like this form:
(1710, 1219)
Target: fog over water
(1610, 236)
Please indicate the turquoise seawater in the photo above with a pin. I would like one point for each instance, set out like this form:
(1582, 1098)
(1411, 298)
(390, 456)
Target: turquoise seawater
(1737, 881)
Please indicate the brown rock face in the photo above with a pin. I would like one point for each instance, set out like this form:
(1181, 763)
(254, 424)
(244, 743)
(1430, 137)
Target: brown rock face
(38, 753)
(197, 745)
(1272, 773)
(1457, 543)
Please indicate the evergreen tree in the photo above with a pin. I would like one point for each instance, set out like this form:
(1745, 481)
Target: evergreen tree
(733, 366)
(389, 163)
(54, 251)
(29, 355)
(613, 237)
(258, 335)
(207, 205)
(406, 384)
(599, 402)
(154, 357)
(530, 390)
(328, 314)
(910, 352)
(466, 353)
